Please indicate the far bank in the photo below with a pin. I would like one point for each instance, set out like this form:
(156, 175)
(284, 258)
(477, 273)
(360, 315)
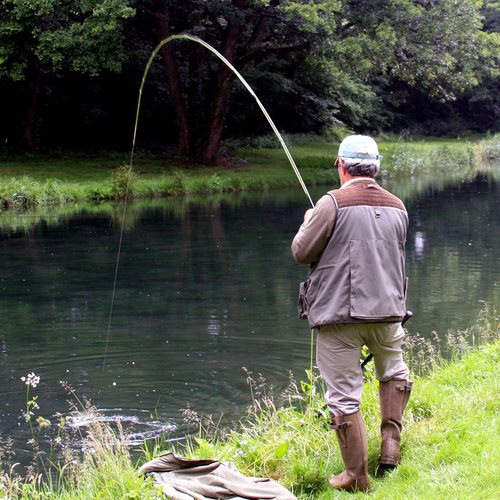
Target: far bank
(38, 181)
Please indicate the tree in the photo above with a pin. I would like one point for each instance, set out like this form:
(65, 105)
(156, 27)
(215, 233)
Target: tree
(41, 37)
(245, 32)
(358, 51)
(312, 62)
(462, 92)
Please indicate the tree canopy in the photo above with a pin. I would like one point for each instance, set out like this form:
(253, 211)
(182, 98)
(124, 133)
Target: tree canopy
(39, 38)
(374, 65)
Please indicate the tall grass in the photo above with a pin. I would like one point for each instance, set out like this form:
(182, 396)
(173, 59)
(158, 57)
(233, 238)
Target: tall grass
(424, 354)
(414, 159)
(26, 193)
(100, 468)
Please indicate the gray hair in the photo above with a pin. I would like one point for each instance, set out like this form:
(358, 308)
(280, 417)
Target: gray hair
(361, 168)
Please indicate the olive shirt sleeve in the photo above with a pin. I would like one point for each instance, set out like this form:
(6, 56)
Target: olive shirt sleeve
(311, 239)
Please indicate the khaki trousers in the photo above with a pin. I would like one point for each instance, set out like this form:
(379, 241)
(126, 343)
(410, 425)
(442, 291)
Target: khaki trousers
(338, 353)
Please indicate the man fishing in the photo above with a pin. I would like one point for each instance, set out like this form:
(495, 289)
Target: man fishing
(354, 240)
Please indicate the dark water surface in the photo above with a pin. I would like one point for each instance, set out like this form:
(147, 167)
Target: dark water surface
(202, 292)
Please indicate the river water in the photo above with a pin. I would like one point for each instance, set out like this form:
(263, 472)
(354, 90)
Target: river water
(205, 292)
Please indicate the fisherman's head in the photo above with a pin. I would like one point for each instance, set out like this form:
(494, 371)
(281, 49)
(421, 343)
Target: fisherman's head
(359, 155)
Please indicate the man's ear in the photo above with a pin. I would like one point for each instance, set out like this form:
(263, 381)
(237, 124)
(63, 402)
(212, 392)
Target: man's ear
(342, 166)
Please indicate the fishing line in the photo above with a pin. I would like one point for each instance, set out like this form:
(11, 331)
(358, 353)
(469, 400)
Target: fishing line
(311, 355)
(261, 106)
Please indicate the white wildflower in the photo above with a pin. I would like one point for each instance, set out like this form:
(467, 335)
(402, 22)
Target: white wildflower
(31, 380)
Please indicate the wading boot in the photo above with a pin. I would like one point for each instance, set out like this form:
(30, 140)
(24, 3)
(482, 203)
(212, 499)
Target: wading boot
(351, 435)
(394, 395)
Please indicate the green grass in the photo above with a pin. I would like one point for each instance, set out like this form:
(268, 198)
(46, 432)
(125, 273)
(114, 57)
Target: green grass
(451, 437)
(36, 181)
(452, 441)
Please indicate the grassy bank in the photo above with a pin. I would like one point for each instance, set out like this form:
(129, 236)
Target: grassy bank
(37, 181)
(451, 438)
(451, 435)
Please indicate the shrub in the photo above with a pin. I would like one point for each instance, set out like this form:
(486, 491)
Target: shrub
(123, 180)
(174, 183)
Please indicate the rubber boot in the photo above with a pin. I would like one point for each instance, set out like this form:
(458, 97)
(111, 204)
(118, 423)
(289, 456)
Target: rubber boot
(394, 396)
(351, 435)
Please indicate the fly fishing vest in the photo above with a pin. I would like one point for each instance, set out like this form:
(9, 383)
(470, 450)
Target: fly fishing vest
(360, 276)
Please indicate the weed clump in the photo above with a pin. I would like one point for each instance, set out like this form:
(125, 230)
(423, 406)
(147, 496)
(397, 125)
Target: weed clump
(25, 193)
(123, 182)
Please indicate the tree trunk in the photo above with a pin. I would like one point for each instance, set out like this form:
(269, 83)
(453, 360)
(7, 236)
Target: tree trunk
(173, 81)
(33, 86)
(225, 78)
(214, 136)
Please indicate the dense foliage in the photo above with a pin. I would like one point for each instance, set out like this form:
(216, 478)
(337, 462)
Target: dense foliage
(69, 71)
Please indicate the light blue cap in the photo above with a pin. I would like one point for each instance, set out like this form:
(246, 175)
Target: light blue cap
(359, 146)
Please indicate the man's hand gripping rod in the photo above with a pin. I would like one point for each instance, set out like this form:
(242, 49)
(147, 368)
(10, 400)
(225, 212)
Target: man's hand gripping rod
(368, 358)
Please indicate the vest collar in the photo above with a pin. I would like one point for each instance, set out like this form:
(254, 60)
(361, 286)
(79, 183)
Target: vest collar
(357, 179)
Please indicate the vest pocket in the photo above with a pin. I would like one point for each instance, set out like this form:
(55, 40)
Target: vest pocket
(377, 280)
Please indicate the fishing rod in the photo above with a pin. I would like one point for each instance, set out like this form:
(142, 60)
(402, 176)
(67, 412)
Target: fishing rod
(369, 357)
(136, 123)
(242, 80)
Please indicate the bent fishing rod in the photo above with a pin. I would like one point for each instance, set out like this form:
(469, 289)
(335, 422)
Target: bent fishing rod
(209, 47)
